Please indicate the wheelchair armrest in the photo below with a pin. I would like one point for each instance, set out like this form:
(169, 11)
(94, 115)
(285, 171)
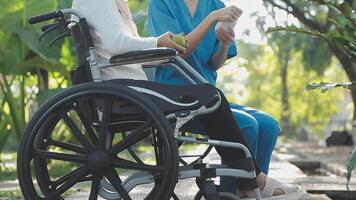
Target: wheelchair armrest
(142, 56)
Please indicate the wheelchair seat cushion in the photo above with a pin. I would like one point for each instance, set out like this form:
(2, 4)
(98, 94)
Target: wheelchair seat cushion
(172, 98)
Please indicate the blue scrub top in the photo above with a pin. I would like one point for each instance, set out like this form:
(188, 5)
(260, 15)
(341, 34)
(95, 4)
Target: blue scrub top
(174, 16)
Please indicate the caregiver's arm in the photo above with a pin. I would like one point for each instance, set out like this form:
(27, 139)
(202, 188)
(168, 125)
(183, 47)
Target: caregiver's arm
(227, 14)
(226, 38)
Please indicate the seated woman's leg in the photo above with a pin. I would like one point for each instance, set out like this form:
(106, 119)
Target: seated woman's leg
(247, 123)
(220, 125)
(249, 128)
(268, 131)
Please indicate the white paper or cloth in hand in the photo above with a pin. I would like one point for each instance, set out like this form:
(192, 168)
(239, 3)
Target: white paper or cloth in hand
(226, 25)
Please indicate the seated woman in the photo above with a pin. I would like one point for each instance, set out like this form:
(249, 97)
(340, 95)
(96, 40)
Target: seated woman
(207, 52)
(114, 32)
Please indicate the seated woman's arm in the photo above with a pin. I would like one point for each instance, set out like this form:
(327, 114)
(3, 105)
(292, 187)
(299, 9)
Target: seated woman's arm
(107, 24)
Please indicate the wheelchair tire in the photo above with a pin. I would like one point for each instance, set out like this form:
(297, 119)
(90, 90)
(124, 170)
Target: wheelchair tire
(59, 133)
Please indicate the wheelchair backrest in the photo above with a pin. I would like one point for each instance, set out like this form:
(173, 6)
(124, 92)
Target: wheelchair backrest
(83, 41)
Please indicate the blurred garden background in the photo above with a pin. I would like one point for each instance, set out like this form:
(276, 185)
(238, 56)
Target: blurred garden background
(283, 45)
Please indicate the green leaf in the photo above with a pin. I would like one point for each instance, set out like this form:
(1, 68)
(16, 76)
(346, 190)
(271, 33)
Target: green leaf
(345, 8)
(16, 11)
(325, 87)
(35, 7)
(9, 51)
(40, 48)
(45, 95)
(37, 62)
(312, 86)
(334, 34)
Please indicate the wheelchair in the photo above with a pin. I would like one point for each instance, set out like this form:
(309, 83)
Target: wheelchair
(93, 131)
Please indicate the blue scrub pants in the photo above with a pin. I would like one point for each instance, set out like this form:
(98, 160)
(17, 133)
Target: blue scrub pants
(260, 131)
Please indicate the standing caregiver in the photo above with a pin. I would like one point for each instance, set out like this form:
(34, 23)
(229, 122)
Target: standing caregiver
(208, 47)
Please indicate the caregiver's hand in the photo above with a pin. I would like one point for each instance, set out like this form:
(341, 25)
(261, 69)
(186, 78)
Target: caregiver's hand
(225, 36)
(227, 14)
(165, 40)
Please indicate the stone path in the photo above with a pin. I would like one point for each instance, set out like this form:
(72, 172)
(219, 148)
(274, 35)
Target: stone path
(280, 169)
(329, 178)
(186, 189)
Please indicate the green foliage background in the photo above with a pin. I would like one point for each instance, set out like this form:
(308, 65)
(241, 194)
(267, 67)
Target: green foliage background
(309, 110)
(26, 64)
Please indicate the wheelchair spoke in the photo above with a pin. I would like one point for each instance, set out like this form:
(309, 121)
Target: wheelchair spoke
(126, 164)
(83, 171)
(105, 121)
(65, 178)
(76, 131)
(134, 156)
(86, 179)
(70, 147)
(131, 151)
(116, 182)
(87, 126)
(60, 156)
(136, 136)
(94, 191)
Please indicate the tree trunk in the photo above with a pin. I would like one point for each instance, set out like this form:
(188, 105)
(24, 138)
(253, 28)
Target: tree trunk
(350, 68)
(285, 116)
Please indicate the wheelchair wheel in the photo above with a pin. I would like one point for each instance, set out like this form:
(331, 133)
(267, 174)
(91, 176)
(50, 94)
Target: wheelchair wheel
(65, 148)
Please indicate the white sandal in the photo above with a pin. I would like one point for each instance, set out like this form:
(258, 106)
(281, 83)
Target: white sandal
(290, 192)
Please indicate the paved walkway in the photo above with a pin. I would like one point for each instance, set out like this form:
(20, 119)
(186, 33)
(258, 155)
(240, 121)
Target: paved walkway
(186, 189)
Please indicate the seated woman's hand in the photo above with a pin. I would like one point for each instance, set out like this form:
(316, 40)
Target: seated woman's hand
(165, 40)
(227, 14)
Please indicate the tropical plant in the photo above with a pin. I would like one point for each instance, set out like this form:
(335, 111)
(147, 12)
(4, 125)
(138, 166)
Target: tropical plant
(25, 63)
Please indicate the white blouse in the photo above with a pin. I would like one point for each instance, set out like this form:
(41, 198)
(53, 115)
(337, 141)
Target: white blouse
(112, 36)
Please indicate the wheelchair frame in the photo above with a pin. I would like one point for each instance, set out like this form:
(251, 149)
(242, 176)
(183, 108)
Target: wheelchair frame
(202, 172)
